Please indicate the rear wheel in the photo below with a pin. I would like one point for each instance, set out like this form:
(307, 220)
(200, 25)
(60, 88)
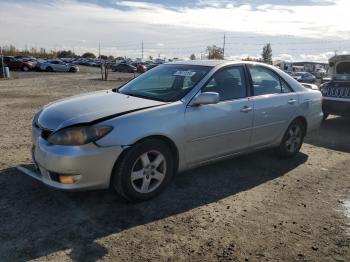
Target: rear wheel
(49, 69)
(292, 139)
(144, 170)
(25, 68)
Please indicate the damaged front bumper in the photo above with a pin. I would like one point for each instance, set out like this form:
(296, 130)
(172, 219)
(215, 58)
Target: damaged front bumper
(71, 167)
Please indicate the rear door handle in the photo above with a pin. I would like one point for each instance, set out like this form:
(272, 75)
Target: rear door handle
(292, 101)
(246, 109)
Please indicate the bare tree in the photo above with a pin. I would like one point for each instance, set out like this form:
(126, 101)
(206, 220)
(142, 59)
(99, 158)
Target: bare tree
(215, 52)
(267, 54)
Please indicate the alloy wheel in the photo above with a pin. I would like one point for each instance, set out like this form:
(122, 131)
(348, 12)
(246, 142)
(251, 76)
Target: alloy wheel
(148, 172)
(294, 138)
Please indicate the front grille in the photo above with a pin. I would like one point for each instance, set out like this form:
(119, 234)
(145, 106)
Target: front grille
(45, 133)
(339, 92)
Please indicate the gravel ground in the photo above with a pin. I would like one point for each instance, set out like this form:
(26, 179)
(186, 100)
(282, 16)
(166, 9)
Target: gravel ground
(256, 207)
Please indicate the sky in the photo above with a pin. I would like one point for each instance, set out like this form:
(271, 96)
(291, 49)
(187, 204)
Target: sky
(298, 30)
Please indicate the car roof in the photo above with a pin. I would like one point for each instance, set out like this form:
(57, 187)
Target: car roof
(200, 62)
(214, 63)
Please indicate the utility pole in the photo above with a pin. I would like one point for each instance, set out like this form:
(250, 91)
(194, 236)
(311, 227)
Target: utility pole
(2, 62)
(335, 52)
(223, 48)
(99, 50)
(142, 51)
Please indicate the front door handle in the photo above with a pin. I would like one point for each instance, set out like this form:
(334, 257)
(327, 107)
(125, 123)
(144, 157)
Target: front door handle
(246, 109)
(292, 101)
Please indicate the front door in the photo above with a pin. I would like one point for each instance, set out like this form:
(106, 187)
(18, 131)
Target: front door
(224, 128)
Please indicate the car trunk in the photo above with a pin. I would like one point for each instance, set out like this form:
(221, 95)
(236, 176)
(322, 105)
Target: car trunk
(340, 89)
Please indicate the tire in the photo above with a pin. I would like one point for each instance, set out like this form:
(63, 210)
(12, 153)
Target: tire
(143, 171)
(25, 68)
(49, 69)
(325, 116)
(293, 139)
(72, 70)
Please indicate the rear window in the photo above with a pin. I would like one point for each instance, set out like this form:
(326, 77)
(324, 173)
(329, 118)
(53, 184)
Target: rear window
(343, 71)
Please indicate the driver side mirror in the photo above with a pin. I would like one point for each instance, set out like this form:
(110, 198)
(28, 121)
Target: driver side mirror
(206, 98)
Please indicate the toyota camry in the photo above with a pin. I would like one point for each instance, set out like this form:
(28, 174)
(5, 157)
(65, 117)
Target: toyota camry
(174, 117)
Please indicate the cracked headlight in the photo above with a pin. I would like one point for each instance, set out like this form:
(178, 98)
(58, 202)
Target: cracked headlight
(79, 135)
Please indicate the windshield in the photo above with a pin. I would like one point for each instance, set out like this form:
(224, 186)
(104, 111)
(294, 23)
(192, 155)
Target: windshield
(343, 71)
(166, 83)
(299, 74)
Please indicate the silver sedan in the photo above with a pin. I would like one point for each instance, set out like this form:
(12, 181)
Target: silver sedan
(58, 66)
(174, 117)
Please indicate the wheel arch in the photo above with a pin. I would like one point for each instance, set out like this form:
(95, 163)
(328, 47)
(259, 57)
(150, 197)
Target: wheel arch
(303, 120)
(169, 142)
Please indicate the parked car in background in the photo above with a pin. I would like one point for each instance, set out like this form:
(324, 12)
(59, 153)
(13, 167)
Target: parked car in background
(38, 63)
(123, 67)
(336, 92)
(33, 61)
(320, 72)
(123, 137)
(151, 65)
(17, 64)
(304, 77)
(58, 66)
(140, 67)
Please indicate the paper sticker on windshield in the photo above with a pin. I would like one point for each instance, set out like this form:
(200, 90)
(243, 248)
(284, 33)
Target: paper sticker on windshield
(184, 73)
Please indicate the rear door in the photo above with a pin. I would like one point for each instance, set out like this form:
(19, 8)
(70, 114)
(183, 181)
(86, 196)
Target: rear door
(54, 65)
(274, 105)
(61, 66)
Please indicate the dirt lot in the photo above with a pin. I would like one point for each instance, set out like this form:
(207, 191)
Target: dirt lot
(251, 208)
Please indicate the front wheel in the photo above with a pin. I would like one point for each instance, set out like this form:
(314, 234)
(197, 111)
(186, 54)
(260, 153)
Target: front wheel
(144, 170)
(292, 139)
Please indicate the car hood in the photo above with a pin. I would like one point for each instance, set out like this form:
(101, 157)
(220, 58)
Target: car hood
(92, 107)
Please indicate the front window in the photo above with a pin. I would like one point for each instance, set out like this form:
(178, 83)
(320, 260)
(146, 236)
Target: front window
(229, 83)
(166, 83)
(343, 71)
